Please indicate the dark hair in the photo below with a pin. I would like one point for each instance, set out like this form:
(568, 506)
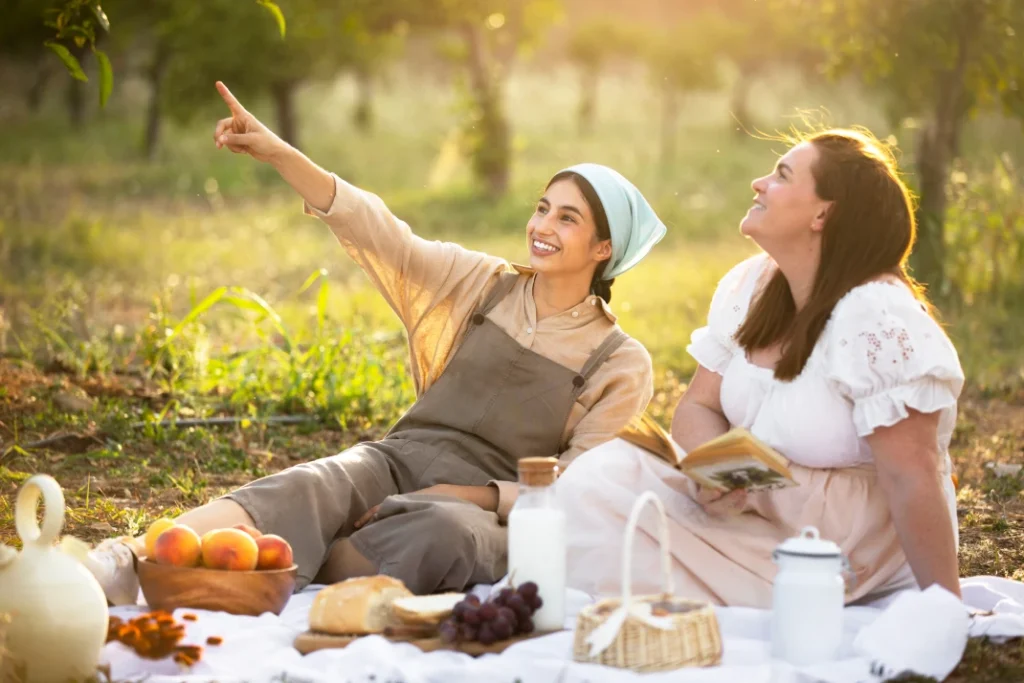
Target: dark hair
(599, 287)
(869, 232)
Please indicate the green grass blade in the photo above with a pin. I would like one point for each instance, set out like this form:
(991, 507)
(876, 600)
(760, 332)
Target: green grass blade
(313, 277)
(203, 306)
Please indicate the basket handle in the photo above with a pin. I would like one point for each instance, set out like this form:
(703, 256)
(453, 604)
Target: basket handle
(627, 550)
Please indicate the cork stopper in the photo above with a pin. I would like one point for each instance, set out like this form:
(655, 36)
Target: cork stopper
(538, 471)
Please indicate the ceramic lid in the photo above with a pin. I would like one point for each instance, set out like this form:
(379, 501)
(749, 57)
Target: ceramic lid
(809, 543)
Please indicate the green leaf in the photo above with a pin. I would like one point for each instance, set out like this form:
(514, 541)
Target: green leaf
(106, 76)
(70, 63)
(276, 11)
(101, 17)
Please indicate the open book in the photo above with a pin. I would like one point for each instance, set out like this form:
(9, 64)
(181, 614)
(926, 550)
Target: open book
(737, 459)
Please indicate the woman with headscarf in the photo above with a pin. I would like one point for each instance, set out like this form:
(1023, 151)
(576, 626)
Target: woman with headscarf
(508, 362)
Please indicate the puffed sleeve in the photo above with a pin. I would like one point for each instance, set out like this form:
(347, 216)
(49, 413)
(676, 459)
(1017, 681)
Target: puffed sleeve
(713, 345)
(886, 354)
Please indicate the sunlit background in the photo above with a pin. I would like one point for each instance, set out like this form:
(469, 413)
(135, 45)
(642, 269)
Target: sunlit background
(157, 279)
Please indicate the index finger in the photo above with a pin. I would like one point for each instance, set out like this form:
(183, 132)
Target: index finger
(233, 104)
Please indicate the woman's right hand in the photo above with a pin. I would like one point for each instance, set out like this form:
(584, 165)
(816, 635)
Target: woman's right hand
(243, 133)
(720, 504)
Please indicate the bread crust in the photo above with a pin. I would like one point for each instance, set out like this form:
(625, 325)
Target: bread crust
(359, 605)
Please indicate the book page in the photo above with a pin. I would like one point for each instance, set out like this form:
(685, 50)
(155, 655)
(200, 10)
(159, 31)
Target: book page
(736, 472)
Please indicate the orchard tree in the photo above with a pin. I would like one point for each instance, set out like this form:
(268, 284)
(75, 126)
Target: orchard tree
(681, 61)
(78, 25)
(593, 44)
(940, 61)
(756, 36)
(488, 35)
(22, 38)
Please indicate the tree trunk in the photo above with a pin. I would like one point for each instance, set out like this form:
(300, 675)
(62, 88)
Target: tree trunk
(929, 255)
(588, 99)
(157, 71)
(362, 115)
(739, 106)
(76, 94)
(669, 125)
(283, 94)
(938, 146)
(34, 95)
(489, 130)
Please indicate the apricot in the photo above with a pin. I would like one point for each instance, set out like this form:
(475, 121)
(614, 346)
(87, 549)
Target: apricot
(274, 552)
(230, 549)
(179, 545)
(153, 532)
(255, 533)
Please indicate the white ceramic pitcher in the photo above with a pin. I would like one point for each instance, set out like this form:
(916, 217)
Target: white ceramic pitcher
(57, 610)
(807, 599)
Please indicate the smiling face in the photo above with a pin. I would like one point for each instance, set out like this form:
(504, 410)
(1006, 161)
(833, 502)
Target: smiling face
(787, 210)
(562, 234)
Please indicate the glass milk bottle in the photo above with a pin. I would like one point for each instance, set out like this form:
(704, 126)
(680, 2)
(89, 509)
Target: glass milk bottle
(536, 540)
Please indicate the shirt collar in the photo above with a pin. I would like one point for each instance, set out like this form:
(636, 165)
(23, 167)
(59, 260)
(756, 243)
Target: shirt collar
(591, 300)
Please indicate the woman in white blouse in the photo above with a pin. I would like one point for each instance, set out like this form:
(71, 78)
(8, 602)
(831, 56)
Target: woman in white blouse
(825, 348)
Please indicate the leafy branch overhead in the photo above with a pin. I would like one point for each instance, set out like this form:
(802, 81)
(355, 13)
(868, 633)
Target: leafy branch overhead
(76, 26)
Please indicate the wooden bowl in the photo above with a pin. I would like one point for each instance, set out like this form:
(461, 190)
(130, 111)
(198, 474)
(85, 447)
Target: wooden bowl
(167, 587)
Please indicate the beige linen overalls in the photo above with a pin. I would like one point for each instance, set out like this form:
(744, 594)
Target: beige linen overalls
(496, 402)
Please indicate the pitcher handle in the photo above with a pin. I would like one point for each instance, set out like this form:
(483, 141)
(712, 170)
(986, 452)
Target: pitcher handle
(627, 550)
(45, 486)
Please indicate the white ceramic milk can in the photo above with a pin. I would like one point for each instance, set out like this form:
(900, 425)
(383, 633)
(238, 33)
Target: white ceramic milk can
(807, 599)
(57, 612)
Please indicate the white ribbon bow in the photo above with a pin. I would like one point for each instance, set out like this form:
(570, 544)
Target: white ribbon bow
(604, 635)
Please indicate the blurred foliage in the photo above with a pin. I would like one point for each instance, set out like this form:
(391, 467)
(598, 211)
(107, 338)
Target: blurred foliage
(592, 46)
(940, 60)
(985, 234)
(681, 61)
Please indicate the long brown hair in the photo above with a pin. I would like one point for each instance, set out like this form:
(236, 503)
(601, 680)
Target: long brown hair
(869, 232)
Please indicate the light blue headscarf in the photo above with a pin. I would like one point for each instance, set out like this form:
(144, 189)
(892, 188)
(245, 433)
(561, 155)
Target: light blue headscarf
(635, 228)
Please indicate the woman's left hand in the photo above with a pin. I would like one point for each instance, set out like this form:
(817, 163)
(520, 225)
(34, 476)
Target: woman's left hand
(720, 504)
(484, 496)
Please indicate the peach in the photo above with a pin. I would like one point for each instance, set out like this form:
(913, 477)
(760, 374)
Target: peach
(230, 549)
(275, 552)
(153, 532)
(255, 533)
(179, 545)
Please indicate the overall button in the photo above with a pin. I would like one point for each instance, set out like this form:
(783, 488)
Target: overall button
(529, 330)
(478, 319)
(575, 314)
(578, 381)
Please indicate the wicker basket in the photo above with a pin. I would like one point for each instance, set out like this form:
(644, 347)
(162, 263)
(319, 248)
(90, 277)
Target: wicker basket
(687, 632)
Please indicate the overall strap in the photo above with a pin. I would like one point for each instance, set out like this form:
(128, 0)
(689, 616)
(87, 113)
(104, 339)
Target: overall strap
(506, 281)
(611, 343)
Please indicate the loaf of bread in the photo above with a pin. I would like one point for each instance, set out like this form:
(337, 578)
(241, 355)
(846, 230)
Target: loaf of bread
(426, 609)
(356, 606)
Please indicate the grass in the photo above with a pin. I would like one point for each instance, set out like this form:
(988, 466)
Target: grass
(135, 296)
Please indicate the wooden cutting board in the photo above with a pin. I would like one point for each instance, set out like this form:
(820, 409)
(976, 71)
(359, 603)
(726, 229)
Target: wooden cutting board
(311, 641)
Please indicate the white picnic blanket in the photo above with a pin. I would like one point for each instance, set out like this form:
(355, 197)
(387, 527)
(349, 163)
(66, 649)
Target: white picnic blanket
(921, 631)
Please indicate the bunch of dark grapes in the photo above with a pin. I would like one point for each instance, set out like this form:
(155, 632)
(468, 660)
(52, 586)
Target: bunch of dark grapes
(504, 615)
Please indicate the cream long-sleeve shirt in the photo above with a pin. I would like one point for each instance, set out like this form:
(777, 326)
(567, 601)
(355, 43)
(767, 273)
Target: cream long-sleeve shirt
(435, 287)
